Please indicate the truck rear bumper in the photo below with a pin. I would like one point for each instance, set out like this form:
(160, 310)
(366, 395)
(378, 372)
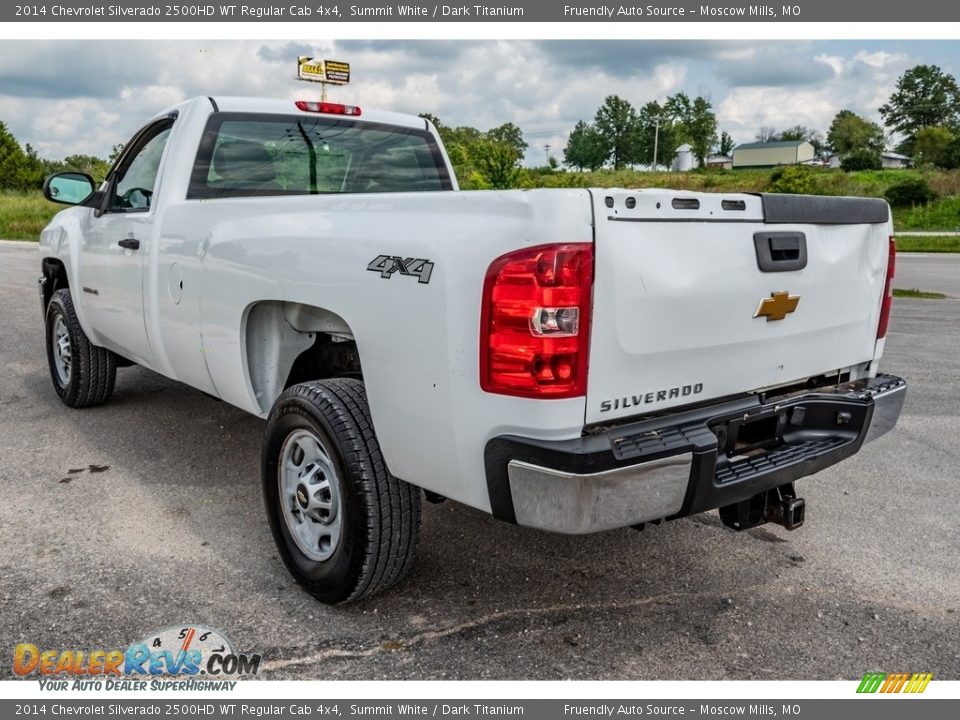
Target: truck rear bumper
(688, 462)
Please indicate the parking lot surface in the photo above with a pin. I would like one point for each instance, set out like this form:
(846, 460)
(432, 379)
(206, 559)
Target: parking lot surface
(146, 513)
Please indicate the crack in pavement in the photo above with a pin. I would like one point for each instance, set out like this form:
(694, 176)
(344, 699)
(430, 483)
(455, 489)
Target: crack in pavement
(396, 644)
(429, 635)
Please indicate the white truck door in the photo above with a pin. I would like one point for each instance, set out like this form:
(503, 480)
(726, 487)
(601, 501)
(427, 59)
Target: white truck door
(116, 247)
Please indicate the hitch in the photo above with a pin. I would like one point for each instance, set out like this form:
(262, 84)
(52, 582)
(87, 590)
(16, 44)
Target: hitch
(780, 505)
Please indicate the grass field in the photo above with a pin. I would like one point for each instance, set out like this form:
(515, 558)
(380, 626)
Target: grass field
(950, 244)
(23, 215)
(915, 293)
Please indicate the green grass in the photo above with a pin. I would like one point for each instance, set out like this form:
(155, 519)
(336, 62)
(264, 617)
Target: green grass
(24, 215)
(948, 244)
(915, 293)
(943, 214)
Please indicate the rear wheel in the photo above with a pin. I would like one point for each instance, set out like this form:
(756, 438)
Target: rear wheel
(344, 527)
(83, 374)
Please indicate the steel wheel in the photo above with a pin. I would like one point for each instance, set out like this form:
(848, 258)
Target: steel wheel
(310, 495)
(62, 351)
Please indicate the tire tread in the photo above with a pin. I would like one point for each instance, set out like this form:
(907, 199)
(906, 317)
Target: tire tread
(391, 506)
(94, 368)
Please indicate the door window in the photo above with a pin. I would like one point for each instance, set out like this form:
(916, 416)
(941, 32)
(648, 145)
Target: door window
(137, 177)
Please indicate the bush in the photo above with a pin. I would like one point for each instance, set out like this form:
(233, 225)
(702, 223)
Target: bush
(910, 192)
(793, 179)
(863, 159)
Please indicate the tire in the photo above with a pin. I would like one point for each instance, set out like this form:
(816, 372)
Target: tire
(83, 374)
(345, 528)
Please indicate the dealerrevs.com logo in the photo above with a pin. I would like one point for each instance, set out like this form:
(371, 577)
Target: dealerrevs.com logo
(190, 657)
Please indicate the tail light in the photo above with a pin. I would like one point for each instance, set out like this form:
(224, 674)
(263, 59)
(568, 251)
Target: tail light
(535, 322)
(327, 107)
(887, 291)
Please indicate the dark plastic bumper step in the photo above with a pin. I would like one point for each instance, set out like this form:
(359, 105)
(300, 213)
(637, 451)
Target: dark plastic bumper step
(777, 458)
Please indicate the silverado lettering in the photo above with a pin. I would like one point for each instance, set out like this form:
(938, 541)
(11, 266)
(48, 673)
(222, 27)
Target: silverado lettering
(651, 397)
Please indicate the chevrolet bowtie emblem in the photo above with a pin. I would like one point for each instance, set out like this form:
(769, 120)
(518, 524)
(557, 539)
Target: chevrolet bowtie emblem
(777, 306)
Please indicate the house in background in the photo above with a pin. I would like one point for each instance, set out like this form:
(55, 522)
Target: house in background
(724, 162)
(772, 154)
(888, 161)
(895, 161)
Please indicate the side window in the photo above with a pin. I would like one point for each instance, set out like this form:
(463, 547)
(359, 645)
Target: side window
(134, 187)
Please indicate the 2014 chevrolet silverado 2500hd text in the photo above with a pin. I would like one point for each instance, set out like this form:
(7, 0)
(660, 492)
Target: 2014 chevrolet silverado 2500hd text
(570, 360)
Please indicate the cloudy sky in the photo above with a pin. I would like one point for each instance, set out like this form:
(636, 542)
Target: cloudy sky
(65, 96)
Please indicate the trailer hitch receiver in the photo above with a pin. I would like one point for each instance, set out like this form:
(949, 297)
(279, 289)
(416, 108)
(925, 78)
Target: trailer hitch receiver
(779, 505)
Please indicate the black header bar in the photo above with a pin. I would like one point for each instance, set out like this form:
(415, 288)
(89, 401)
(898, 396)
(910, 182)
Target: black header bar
(317, 11)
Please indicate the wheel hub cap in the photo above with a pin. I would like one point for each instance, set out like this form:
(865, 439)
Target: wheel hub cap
(62, 351)
(310, 493)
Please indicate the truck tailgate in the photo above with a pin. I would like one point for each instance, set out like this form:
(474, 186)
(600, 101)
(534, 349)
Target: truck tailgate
(678, 286)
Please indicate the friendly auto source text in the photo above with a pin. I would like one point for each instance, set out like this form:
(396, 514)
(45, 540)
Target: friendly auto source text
(611, 11)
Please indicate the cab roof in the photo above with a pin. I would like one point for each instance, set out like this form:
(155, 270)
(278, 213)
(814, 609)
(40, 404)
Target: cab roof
(288, 107)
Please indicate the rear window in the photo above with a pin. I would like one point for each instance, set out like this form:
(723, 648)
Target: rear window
(246, 155)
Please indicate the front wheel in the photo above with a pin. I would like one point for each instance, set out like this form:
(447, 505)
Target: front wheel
(344, 527)
(83, 374)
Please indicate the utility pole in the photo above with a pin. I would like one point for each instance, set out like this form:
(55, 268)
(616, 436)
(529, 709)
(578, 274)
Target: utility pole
(656, 140)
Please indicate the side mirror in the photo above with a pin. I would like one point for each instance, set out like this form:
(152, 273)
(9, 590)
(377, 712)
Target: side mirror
(68, 188)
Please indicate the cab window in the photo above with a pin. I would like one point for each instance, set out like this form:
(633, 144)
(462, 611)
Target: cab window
(136, 177)
(246, 155)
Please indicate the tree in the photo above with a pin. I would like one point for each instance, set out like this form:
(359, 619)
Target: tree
(951, 157)
(849, 132)
(931, 145)
(511, 135)
(617, 124)
(801, 132)
(656, 131)
(861, 159)
(925, 96)
(726, 143)
(95, 167)
(433, 119)
(585, 148)
(497, 163)
(115, 153)
(700, 128)
(695, 123)
(19, 169)
(766, 134)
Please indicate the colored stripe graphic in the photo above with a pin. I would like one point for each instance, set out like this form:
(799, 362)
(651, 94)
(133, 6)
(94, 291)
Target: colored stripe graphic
(871, 682)
(894, 682)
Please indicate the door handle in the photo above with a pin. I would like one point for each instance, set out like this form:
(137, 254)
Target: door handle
(780, 251)
(129, 244)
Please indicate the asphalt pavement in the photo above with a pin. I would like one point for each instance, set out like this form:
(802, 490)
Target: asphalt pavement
(146, 513)
(936, 272)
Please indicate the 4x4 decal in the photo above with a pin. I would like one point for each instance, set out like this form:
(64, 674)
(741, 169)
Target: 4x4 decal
(387, 265)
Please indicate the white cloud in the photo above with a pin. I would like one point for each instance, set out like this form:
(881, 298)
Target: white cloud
(861, 82)
(543, 87)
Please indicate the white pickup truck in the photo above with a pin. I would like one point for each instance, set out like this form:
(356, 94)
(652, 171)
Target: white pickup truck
(569, 360)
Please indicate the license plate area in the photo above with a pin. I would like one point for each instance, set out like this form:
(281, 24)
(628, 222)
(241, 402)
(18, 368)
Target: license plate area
(750, 435)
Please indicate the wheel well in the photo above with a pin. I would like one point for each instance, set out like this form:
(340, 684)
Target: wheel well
(290, 343)
(55, 278)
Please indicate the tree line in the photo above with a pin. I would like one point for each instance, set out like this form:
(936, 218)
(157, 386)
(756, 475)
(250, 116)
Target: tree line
(923, 113)
(21, 168)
